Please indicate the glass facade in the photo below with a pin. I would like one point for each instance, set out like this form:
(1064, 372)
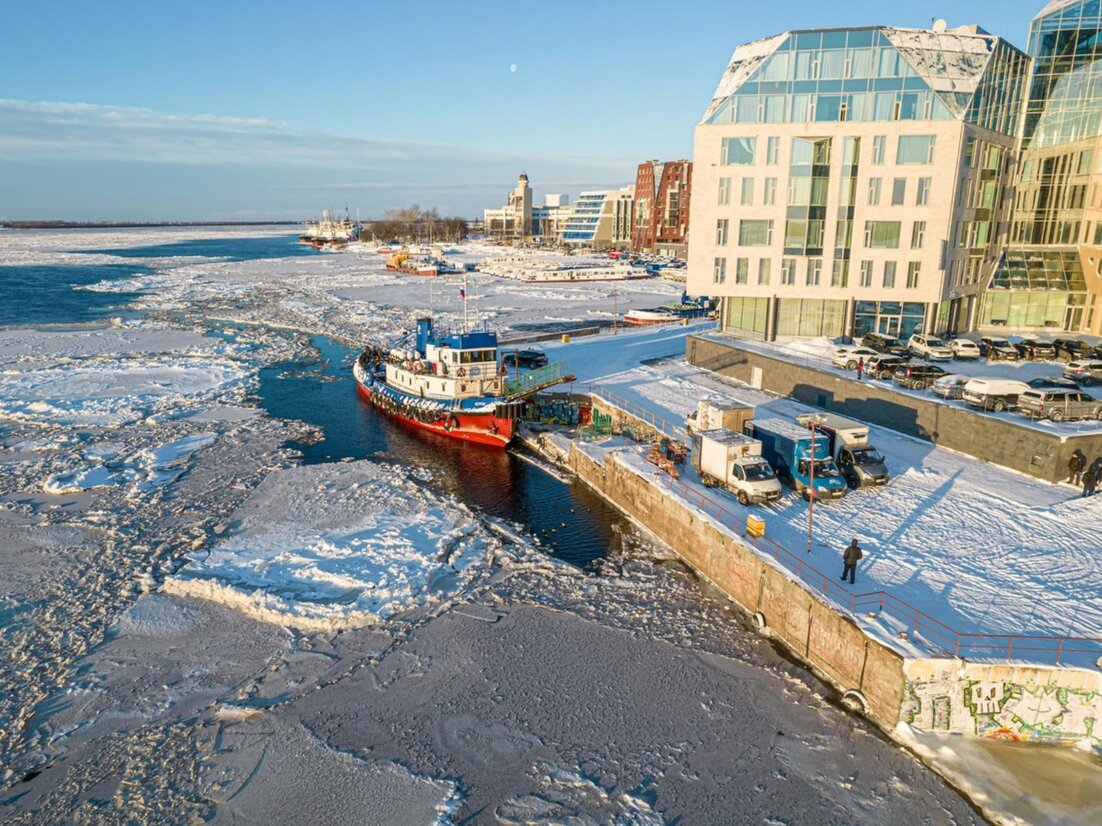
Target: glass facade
(874, 74)
(893, 318)
(1065, 94)
(1039, 282)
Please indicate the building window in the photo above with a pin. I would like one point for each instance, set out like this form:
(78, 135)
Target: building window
(913, 270)
(788, 271)
(889, 274)
(918, 234)
(882, 235)
(899, 191)
(719, 271)
(839, 275)
(772, 150)
(769, 197)
(922, 198)
(814, 270)
(742, 270)
(970, 153)
(755, 233)
(874, 192)
(747, 192)
(737, 151)
(724, 191)
(765, 266)
(721, 232)
(843, 233)
(915, 149)
(866, 273)
(878, 149)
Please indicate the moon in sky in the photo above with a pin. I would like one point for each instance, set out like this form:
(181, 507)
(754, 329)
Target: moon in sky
(513, 68)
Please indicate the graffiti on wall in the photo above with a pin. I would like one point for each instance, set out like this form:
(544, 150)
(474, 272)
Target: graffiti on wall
(1003, 702)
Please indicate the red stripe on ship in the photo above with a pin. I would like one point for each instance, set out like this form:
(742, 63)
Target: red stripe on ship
(472, 428)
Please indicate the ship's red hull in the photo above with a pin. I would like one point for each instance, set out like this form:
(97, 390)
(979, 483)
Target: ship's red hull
(483, 429)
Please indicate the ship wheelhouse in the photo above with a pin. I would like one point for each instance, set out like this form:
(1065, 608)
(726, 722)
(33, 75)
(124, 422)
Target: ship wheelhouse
(450, 368)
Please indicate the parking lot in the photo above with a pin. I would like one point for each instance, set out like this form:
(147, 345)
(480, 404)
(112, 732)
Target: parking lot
(818, 352)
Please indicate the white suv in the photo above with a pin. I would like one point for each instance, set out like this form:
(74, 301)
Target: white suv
(1086, 371)
(930, 348)
(993, 394)
(964, 348)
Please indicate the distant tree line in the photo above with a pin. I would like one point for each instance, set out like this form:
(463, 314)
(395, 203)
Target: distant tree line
(413, 225)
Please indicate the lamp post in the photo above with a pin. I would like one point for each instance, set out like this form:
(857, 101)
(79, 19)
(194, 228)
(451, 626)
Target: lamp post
(813, 423)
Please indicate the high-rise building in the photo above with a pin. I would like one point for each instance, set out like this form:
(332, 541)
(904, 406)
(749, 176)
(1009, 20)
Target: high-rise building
(842, 178)
(662, 208)
(1049, 276)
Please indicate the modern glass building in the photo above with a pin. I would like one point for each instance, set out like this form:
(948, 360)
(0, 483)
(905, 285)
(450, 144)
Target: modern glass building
(600, 219)
(1048, 277)
(849, 180)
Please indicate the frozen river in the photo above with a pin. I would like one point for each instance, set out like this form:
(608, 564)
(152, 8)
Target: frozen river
(231, 592)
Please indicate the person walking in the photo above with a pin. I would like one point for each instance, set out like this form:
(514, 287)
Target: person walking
(1090, 481)
(1076, 463)
(860, 367)
(850, 557)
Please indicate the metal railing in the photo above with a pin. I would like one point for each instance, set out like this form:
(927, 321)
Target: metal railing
(648, 417)
(919, 626)
(549, 375)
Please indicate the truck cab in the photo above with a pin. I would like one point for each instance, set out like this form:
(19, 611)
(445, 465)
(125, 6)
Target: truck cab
(799, 458)
(860, 463)
(733, 460)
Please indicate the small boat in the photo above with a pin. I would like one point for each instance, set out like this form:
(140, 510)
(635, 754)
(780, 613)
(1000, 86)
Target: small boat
(424, 265)
(672, 312)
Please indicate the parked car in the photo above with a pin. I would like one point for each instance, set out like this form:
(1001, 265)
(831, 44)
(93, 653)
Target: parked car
(930, 348)
(993, 394)
(917, 376)
(1072, 349)
(1034, 348)
(1086, 372)
(1053, 383)
(847, 357)
(949, 386)
(881, 343)
(964, 348)
(883, 367)
(997, 349)
(524, 358)
(1058, 405)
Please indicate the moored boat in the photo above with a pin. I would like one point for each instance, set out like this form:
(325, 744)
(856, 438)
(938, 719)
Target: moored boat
(453, 384)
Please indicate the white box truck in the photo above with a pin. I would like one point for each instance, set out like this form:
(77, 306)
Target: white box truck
(860, 463)
(734, 460)
(713, 414)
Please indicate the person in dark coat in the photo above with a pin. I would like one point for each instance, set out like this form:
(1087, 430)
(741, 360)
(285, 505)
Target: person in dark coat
(1090, 481)
(1076, 463)
(850, 557)
(1096, 466)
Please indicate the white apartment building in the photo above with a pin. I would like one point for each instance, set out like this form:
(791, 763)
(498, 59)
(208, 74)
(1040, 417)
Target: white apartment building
(852, 180)
(601, 219)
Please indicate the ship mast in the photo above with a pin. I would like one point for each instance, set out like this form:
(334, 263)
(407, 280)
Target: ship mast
(465, 326)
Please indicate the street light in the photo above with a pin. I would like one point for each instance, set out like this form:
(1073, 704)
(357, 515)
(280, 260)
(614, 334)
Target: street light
(813, 423)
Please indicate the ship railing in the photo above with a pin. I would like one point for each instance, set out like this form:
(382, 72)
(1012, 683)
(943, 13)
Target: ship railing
(557, 372)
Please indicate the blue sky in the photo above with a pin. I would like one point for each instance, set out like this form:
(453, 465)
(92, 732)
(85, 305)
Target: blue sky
(241, 110)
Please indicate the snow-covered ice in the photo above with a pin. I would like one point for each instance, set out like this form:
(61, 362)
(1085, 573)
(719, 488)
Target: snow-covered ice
(326, 547)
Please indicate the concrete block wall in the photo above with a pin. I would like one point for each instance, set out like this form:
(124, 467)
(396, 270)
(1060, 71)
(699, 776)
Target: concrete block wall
(823, 637)
(1048, 704)
(994, 439)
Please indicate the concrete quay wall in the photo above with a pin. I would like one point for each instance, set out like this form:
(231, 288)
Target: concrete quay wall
(993, 439)
(1004, 701)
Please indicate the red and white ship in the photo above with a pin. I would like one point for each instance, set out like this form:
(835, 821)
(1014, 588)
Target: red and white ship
(453, 384)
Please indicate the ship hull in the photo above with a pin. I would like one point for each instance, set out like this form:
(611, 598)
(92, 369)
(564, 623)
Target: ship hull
(477, 428)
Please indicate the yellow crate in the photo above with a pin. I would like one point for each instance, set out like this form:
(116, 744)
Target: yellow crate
(755, 526)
